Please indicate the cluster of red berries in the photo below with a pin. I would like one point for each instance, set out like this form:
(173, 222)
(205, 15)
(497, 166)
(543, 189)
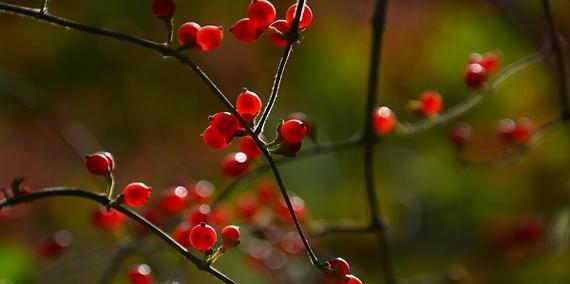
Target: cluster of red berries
(203, 237)
(517, 133)
(479, 67)
(261, 18)
(140, 274)
(338, 272)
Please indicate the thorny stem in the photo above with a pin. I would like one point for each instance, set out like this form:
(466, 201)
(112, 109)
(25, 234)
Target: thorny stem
(104, 201)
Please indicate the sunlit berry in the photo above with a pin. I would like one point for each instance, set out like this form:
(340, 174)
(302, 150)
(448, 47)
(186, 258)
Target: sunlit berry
(460, 134)
(278, 31)
(174, 199)
(235, 164)
(248, 105)
(215, 139)
(293, 131)
(225, 123)
(340, 268)
(136, 194)
(475, 75)
(209, 37)
(248, 146)
(351, 279)
(383, 120)
(181, 234)
(261, 12)
(55, 245)
(430, 103)
(306, 16)
(199, 214)
(163, 9)
(203, 191)
(186, 34)
(203, 237)
(140, 274)
(230, 236)
(245, 30)
(107, 219)
(100, 163)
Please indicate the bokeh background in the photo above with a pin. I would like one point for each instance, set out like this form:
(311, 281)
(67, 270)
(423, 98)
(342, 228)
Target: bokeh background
(58, 86)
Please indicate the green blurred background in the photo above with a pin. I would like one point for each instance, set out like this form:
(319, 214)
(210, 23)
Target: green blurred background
(149, 112)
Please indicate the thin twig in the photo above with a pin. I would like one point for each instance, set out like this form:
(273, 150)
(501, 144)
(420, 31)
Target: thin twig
(378, 26)
(103, 200)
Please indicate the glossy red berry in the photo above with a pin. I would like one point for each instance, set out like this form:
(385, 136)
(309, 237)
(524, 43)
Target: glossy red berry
(209, 37)
(235, 164)
(351, 279)
(306, 16)
(383, 119)
(430, 103)
(181, 234)
(248, 105)
(107, 219)
(245, 30)
(163, 9)
(460, 134)
(100, 163)
(140, 274)
(136, 194)
(293, 131)
(278, 31)
(203, 191)
(215, 139)
(340, 268)
(174, 199)
(248, 146)
(199, 214)
(203, 237)
(230, 236)
(186, 34)
(475, 75)
(225, 123)
(261, 13)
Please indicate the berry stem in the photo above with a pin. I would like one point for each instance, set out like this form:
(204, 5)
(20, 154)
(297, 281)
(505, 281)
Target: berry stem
(45, 6)
(378, 24)
(110, 185)
(212, 258)
(170, 27)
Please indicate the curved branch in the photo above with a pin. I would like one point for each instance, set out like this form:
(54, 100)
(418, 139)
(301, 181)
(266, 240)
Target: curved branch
(104, 201)
(410, 129)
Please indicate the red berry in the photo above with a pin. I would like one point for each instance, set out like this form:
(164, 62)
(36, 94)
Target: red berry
(475, 75)
(351, 279)
(225, 123)
(174, 199)
(506, 128)
(298, 207)
(293, 131)
(340, 268)
(230, 236)
(430, 103)
(383, 119)
(235, 164)
(187, 33)
(163, 9)
(100, 163)
(202, 192)
(203, 237)
(181, 234)
(266, 192)
(460, 134)
(199, 214)
(261, 13)
(278, 31)
(306, 16)
(107, 219)
(136, 194)
(245, 30)
(247, 206)
(55, 245)
(214, 138)
(491, 61)
(248, 146)
(209, 37)
(523, 131)
(248, 105)
(140, 274)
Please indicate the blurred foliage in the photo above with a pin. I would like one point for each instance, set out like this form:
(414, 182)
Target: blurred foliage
(149, 112)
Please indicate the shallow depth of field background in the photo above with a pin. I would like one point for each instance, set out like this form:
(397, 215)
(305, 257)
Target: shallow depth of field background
(149, 112)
